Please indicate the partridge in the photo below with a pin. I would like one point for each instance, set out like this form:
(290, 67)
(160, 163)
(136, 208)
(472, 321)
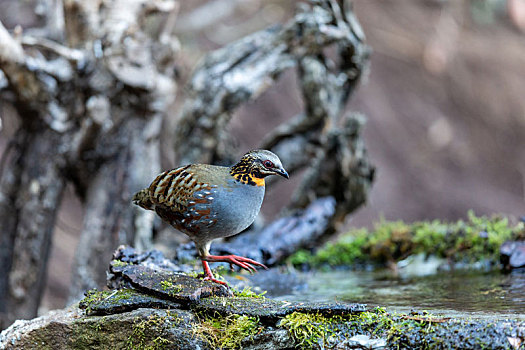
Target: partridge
(208, 202)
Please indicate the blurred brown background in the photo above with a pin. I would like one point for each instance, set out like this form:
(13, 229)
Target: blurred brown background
(445, 102)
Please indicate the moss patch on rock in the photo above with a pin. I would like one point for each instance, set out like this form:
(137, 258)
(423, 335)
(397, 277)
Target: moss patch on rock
(309, 330)
(397, 331)
(227, 332)
(116, 301)
(476, 239)
(147, 329)
(270, 311)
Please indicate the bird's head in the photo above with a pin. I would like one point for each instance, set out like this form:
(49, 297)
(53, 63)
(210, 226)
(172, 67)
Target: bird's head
(258, 163)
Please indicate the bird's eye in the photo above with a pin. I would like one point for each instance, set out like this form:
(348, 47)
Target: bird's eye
(268, 164)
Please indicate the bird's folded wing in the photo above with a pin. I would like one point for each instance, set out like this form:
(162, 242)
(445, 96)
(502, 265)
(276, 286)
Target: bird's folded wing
(179, 188)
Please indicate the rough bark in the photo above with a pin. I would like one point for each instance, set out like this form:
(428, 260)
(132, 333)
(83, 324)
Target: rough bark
(37, 200)
(91, 106)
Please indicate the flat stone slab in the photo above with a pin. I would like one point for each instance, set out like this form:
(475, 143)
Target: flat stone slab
(117, 301)
(171, 286)
(268, 310)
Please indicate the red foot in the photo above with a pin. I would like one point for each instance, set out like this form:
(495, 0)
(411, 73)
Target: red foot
(240, 261)
(215, 280)
(208, 275)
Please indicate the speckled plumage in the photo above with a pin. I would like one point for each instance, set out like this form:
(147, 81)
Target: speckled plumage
(208, 201)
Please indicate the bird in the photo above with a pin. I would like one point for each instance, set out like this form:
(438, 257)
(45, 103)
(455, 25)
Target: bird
(207, 202)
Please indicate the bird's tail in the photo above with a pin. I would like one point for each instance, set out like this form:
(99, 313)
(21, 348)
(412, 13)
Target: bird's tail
(143, 199)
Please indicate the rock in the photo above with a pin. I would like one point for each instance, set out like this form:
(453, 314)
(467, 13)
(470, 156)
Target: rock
(153, 258)
(117, 301)
(513, 254)
(70, 329)
(270, 311)
(163, 309)
(362, 341)
(272, 339)
(173, 286)
(183, 329)
(153, 274)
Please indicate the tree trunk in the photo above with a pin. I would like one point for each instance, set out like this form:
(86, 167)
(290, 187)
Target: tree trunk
(109, 221)
(27, 217)
(91, 115)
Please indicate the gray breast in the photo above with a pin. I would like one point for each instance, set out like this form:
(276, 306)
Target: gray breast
(235, 208)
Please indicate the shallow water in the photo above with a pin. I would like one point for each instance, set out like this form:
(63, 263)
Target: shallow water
(476, 294)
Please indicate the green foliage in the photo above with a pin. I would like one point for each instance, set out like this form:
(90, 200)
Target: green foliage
(226, 332)
(477, 239)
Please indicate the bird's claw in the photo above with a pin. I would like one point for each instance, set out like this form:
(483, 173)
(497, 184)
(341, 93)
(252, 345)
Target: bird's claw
(213, 279)
(242, 262)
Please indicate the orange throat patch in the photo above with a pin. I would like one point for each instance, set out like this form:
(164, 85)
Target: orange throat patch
(249, 179)
(258, 181)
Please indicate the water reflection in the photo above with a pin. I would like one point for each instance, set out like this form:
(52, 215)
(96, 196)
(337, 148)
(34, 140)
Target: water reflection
(478, 292)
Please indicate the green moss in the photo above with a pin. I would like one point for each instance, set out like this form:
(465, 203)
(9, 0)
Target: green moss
(399, 330)
(477, 239)
(226, 332)
(309, 329)
(193, 274)
(94, 297)
(119, 263)
(247, 292)
(375, 322)
(171, 288)
(142, 331)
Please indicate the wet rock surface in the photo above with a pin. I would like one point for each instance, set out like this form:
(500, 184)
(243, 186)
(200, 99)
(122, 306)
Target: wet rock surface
(123, 300)
(270, 311)
(71, 329)
(513, 254)
(158, 308)
(173, 286)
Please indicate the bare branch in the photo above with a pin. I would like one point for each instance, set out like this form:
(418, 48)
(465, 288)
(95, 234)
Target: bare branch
(11, 51)
(242, 70)
(14, 64)
(73, 55)
(224, 80)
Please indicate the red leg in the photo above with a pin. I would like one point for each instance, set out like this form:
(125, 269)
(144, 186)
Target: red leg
(208, 275)
(240, 261)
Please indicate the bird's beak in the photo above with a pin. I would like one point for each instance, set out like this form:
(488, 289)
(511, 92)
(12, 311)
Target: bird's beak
(282, 172)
